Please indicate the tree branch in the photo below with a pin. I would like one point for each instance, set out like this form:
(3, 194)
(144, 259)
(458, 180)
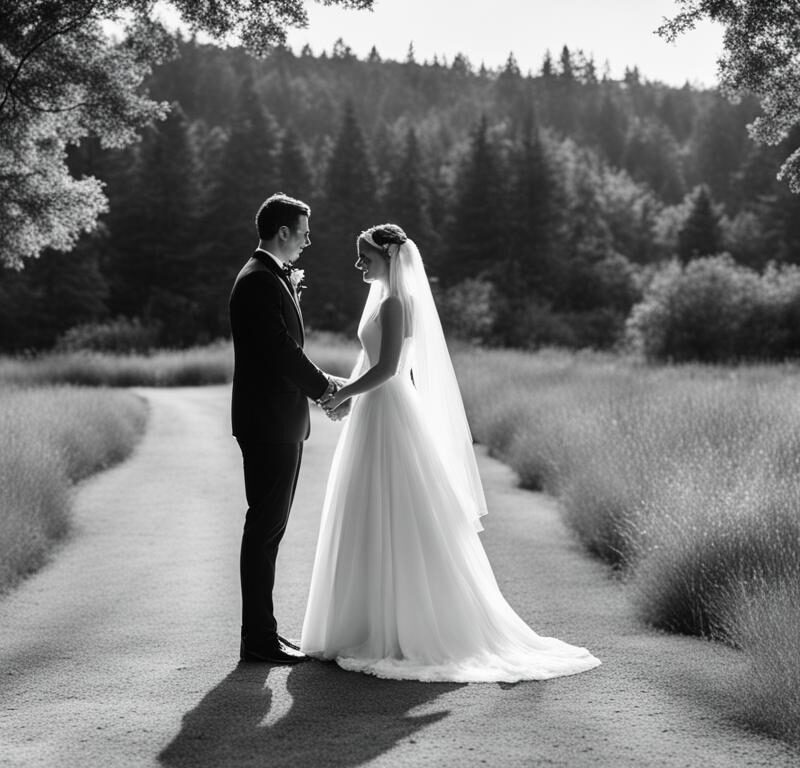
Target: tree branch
(69, 27)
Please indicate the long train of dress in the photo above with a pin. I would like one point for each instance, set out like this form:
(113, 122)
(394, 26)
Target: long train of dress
(401, 586)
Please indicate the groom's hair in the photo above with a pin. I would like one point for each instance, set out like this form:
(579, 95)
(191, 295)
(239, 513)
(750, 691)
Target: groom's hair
(278, 211)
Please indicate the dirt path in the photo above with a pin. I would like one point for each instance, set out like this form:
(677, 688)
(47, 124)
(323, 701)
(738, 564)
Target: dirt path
(123, 650)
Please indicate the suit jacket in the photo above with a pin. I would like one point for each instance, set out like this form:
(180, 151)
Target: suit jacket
(272, 377)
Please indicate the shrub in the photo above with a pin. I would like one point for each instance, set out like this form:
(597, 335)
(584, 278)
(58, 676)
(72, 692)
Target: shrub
(715, 310)
(120, 336)
(763, 619)
(468, 309)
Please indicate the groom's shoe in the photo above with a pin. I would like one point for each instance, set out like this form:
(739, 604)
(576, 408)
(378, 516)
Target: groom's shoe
(279, 653)
(290, 643)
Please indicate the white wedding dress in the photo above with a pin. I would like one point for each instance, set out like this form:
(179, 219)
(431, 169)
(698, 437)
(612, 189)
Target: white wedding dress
(401, 586)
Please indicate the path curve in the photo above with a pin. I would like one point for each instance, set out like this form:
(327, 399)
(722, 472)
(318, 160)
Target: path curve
(122, 651)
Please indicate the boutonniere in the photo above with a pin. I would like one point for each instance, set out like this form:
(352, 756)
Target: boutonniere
(296, 277)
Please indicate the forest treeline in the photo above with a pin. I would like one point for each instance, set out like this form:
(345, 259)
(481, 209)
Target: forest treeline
(543, 203)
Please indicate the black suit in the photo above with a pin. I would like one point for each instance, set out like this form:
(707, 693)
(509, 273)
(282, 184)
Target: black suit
(272, 381)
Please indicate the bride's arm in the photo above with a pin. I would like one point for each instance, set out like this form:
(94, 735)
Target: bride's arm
(391, 345)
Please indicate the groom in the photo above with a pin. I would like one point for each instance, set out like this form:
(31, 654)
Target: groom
(272, 381)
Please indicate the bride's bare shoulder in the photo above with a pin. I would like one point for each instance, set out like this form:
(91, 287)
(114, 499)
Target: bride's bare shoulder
(396, 313)
(391, 310)
(392, 304)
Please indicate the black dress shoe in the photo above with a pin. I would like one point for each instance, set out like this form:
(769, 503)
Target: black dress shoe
(290, 643)
(275, 654)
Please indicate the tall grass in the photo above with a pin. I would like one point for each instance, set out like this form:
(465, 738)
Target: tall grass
(686, 479)
(172, 368)
(765, 624)
(212, 364)
(50, 438)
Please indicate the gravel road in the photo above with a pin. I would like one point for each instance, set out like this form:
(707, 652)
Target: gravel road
(123, 650)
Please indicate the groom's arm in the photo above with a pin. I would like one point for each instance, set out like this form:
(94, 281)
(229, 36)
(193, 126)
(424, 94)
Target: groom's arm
(262, 302)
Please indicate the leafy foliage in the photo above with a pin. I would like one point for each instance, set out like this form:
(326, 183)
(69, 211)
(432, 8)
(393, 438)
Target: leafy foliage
(561, 210)
(713, 309)
(62, 79)
(762, 56)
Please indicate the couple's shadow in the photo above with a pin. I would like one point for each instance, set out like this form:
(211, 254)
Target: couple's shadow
(335, 718)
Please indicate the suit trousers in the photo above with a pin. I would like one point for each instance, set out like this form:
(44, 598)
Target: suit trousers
(270, 479)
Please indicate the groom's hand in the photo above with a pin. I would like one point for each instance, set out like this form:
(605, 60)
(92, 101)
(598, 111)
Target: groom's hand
(329, 392)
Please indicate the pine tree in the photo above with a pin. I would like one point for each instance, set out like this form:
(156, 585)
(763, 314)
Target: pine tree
(547, 65)
(154, 267)
(563, 105)
(610, 128)
(406, 200)
(534, 215)
(294, 172)
(334, 299)
(54, 293)
(567, 73)
(477, 244)
(246, 176)
(651, 155)
(700, 234)
(718, 141)
(529, 272)
(510, 88)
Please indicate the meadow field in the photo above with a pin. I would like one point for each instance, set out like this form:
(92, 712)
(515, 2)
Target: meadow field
(684, 479)
(196, 366)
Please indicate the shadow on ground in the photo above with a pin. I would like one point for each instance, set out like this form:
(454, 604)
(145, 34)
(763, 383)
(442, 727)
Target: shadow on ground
(332, 718)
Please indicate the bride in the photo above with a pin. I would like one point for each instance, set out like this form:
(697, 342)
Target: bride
(401, 586)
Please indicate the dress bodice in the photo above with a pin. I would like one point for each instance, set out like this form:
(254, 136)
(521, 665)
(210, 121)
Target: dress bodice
(369, 334)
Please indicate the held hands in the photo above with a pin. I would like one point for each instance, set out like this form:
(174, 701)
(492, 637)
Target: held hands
(337, 414)
(336, 399)
(332, 401)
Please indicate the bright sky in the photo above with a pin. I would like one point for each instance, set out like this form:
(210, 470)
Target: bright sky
(618, 31)
(621, 31)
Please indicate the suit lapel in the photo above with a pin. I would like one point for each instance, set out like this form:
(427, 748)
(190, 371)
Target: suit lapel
(264, 259)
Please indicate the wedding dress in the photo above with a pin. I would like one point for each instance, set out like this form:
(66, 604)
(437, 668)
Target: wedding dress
(401, 586)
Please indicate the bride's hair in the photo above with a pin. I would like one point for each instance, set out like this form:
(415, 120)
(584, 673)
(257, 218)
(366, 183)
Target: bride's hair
(381, 236)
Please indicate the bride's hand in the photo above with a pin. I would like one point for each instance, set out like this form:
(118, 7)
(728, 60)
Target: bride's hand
(342, 412)
(336, 400)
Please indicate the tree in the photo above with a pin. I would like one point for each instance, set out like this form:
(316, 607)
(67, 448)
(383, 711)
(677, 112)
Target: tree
(610, 128)
(294, 172)
(761, 55)
(528, 271)
(248, 173)
(406, 201)
(651, 155)
(62, 79)
(700, 234)
(547, 65)
(563, 106)
(56, 292)
(718, 143)
(350, 205)
(476, 244)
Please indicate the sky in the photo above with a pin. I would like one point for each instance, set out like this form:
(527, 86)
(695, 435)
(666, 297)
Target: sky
(620, 32)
